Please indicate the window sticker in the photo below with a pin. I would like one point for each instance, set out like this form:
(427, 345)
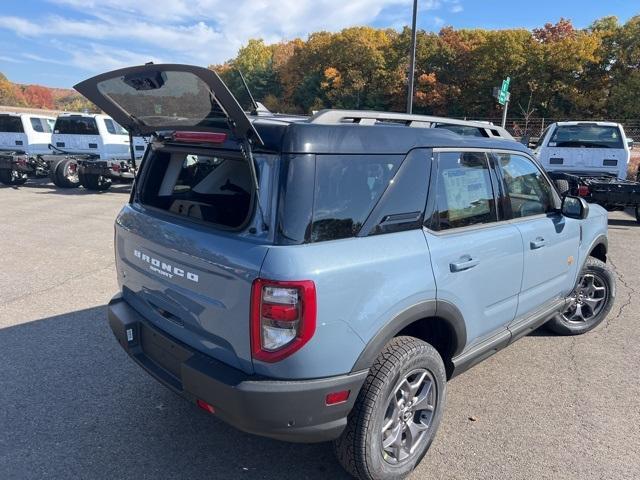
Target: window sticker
(467, 193)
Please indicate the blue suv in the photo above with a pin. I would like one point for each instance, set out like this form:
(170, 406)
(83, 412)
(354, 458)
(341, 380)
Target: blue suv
(320, 279)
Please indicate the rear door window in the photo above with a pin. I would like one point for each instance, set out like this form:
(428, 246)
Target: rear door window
(40, 125)
(347, 188)
(215, 189)
(113, 127)
(76, 126)
(464, 194)
(11, 124)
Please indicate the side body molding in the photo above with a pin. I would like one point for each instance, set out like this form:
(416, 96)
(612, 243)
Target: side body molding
(423, 310)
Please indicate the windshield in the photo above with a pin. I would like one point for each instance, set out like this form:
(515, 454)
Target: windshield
(586, 136)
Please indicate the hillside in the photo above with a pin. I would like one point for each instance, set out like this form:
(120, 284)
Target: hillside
(38, 96)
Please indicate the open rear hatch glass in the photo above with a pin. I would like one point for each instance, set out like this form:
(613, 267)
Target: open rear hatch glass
(152, 98)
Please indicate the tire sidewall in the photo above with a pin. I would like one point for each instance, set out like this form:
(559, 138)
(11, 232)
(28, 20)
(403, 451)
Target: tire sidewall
(423, 357)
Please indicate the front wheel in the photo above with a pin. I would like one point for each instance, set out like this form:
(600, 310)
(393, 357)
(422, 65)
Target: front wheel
(12, 177)
(590, 301)
(397, 413)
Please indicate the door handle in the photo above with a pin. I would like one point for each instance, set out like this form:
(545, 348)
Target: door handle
(538, 243)
(464, 263)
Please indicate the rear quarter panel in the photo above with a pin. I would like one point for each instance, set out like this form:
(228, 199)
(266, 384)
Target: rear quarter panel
(362, 283)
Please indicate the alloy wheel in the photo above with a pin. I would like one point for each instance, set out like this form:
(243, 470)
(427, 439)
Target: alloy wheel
(588, 299)
(410, 411)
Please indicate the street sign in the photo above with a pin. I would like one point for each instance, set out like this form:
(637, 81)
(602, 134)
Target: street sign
(503, 96)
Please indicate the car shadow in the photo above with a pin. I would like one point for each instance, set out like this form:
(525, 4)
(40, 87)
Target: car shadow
(45, 186)
(625, 222)
(75, 406)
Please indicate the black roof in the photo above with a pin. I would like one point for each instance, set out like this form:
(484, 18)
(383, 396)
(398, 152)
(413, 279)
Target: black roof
(287, 134)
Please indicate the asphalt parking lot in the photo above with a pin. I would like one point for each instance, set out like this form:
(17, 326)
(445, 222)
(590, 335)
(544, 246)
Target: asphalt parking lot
(74, 406)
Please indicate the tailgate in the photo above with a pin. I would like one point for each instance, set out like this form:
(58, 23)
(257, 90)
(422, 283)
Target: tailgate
(192, 282)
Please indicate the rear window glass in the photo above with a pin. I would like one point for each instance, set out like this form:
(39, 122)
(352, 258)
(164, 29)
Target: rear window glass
(76, 126)
(216, 189)
(41, 125)
(113, 127)
(11, 124)
(173, 98)
(346, 190)
(586, 136)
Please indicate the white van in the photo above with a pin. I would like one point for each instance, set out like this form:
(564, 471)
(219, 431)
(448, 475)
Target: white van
(585, 148)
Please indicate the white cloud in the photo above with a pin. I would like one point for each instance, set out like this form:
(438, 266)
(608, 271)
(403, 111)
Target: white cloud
(113, 33)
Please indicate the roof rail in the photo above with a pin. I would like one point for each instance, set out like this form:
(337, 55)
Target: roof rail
(363, 117)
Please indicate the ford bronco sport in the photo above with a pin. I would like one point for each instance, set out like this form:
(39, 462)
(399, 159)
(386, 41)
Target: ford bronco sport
(314, 281)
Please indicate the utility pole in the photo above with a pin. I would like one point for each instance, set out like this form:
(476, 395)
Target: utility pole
(412, 63)
(504, 110)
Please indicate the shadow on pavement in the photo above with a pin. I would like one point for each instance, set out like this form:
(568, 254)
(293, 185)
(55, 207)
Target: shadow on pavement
(75, 406)
(46, 187)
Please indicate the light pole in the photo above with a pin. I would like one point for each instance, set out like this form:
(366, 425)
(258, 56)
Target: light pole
(412, 63)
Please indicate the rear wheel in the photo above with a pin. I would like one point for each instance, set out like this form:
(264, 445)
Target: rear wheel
(397, 413)
(590, 301)
(95, 182)
(67, 174)
(12, 177)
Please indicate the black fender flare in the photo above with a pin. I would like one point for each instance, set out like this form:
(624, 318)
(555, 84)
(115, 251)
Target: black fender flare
(600, 240)
(429, 308)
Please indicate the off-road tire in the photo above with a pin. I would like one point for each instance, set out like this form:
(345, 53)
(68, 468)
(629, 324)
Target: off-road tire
(359, 448)
(97, 183)
(8, 177)
(562, 186)
(63, 181)
(561, 325)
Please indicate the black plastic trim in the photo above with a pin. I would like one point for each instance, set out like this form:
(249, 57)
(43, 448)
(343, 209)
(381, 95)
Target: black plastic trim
(427, 309)
(289, 410)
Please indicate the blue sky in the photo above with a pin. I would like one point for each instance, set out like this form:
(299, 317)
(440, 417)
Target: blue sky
(60, 42)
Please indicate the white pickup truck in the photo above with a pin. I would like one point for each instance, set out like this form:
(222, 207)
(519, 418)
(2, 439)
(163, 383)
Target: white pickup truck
(23, 137)
(590, 159)
(100, 146)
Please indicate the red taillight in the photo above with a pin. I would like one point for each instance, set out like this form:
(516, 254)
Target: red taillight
(199, 137)
(205, 406)
(115, 167)
(283, 318)
(583, 190)
(22, 161)
(336, 398)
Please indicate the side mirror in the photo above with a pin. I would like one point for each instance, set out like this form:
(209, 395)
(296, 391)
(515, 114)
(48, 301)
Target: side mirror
(630, 143)
(575, 207)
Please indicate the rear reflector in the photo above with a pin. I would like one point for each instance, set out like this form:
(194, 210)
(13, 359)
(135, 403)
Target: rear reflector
(583, 190)
(205, 406)
(199, 137)
(336, 398)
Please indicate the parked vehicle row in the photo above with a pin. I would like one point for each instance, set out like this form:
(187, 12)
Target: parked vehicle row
(321, 279)
(73, 149)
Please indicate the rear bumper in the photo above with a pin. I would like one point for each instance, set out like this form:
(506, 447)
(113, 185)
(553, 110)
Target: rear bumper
(18, 162)
(285, 410)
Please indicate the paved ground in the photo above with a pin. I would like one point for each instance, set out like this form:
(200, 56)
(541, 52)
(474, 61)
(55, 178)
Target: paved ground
(74, 406)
